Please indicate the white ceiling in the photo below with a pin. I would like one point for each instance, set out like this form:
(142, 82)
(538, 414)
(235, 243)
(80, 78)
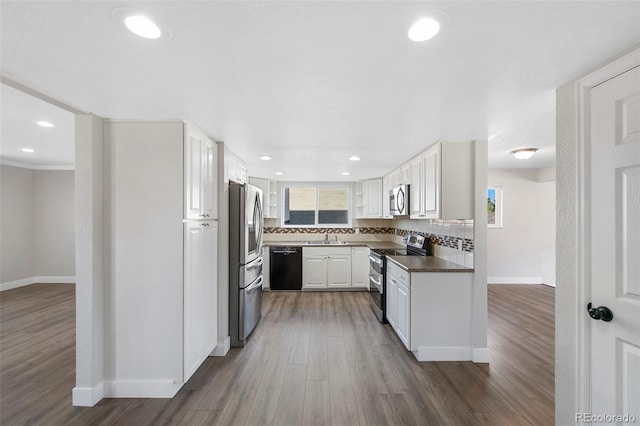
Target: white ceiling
(313, 82)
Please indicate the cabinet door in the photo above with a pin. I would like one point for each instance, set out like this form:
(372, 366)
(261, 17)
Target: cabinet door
(209, 182)
(392, 296)
(405, 175)
(403, 320)
(193, 149)
(360, 267)
(387, 185)
(415, 189)
(373, 198)
(200, 293)
(314, 272)
(431, 182)
(339, 271)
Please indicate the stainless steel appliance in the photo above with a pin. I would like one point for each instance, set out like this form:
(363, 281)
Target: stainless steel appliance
(285, 268)
(245, 260)
(399, 201)
(417, 245)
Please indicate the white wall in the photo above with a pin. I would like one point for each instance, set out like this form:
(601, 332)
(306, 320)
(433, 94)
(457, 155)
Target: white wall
(17, 235)
(54, 223)
(37, 226)
(523, 250)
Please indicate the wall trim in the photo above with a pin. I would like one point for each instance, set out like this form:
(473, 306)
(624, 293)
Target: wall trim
(443, 353)
(515, 280)
(222, 348)
(141, 389)
(480, 355)
(37, 166)
(37, 280)
(87, 397)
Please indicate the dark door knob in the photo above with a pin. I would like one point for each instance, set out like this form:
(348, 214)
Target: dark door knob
(600, 313)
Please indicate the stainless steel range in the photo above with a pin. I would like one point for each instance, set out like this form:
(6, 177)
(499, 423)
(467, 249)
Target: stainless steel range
(417, 245)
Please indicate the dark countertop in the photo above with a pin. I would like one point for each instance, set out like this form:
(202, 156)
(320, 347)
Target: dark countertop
(370, 244)
(428, 264)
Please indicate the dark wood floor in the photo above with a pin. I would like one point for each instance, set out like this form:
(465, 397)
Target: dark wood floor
(315, 358)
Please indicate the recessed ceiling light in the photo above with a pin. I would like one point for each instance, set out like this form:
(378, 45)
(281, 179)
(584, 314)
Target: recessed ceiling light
(265, 158)
(279, 173)
(140, 23)
(44, 124)
(424, 29)
(524, 153)
(354, 158)
(27, 150)
(142, 26)
(345, 173)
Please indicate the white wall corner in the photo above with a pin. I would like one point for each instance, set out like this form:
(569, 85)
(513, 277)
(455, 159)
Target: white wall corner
(480, 355)
(17, 283)
(87, 397)
(222, 348)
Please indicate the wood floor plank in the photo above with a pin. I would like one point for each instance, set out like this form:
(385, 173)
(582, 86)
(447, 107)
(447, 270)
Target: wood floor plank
(314, 358)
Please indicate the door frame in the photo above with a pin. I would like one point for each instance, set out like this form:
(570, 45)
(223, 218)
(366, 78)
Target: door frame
(583, 89)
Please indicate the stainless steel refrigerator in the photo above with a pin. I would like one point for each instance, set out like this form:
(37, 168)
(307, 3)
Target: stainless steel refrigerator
(245, 261)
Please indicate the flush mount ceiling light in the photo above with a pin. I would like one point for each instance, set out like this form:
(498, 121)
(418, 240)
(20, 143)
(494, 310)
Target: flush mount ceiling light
(354, 158)
(345, 173)
(44, 124)
(140, 23)
(524, 153)
(428, 27)
(29, 150)
(265, 158)
(279, 173)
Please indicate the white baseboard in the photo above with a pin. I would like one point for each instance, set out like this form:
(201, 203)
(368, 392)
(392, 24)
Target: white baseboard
(87, 397)
(480, 355)
(514, 280)
(443, 353)
(141, 389)
(33, 280)
(222, 348)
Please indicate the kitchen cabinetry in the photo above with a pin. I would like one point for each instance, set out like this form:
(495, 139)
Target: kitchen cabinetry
(360, 267)
(369, 199)
(236, 169)
(200, 180)
(161, 271)
(387, 185)
(416, 188)
(269, 196)
(326, 267)
(399, 302)
(447, 183)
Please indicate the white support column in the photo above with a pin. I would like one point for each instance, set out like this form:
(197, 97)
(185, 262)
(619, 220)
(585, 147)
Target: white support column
(480, 351)
(90, 286)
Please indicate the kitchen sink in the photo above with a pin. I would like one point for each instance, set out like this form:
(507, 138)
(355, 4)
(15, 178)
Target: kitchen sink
(327, 243)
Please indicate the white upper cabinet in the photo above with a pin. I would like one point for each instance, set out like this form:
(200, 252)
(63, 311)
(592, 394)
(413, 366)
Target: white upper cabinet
(269, 196)
(387, 185)
(235, 169)
(200, 181)
(369, 199)
(416, 188)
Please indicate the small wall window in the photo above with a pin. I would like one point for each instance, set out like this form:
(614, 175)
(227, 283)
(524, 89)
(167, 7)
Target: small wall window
(494, 207)
(311, 206)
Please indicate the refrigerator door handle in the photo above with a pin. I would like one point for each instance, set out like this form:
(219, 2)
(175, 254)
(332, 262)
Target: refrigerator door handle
(255, 285)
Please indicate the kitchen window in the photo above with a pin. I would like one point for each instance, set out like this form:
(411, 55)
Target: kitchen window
(316, 206)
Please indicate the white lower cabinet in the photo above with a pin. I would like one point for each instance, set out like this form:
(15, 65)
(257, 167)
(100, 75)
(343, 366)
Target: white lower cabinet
(360, 267)
(399, 302)
(326, 267)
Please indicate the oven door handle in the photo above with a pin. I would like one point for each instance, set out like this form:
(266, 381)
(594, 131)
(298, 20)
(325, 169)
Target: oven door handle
(377, 283)
(376, 261)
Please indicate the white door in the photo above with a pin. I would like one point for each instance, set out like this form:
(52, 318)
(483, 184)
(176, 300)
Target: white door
(431, 182)
(209, 184)
(314, 272)
(193, 173)
(403, 320)
(392, 297)
(339, 271)
(615, 245)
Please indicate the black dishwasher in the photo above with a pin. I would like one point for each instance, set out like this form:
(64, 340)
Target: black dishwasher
(285, 268)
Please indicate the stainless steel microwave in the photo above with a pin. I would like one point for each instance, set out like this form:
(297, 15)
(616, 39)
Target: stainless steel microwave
(399, 201)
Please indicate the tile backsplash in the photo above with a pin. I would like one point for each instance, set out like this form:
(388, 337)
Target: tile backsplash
(444, 236)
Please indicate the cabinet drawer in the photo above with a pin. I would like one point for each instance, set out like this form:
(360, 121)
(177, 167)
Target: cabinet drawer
(395, 270)
(326, 251)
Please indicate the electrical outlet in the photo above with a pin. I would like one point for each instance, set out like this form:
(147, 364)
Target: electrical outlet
(357, 230)
(459, 245)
